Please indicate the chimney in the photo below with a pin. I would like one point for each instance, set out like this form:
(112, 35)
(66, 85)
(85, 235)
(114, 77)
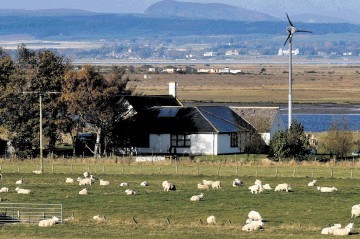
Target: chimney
(172, 88)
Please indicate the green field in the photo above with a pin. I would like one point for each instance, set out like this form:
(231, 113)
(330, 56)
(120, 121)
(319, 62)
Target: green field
(301, 213)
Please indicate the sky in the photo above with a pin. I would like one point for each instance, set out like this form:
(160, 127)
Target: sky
(347, 9)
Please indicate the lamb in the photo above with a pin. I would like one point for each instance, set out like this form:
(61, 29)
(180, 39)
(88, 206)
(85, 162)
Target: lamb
(86, 174)
(37, 171)
(202, 186)
(254, 216)
(327, 189)
(123, 184)
(130, 192)
(4, 190)
(355, 210)
(69, 180)
(86, 181)
(266, 187)
(216, 184)
(144, 184)
(258, 182)
(237, 183)
(343, 231)
(48, 222)
(253, 226)
(22, 191)
(83, 192)
(312, 183)
(207, 182)
(255, 189)
(211, 220)
(197, 198)
(168, 186)
(98, 218)
(282, 187)
(330, 230)
(104, 183)
(19, 181)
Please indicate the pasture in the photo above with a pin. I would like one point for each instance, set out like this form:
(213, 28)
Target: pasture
(153, 213)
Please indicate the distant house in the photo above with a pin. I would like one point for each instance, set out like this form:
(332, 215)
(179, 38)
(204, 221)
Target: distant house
(169, 69)
(282, 52)
(201, 130)
(209, 54)
(232, 53)
(266, 120)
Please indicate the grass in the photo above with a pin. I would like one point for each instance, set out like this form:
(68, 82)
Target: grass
(302, 213)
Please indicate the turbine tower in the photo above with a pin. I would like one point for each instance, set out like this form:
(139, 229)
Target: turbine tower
(291, 30)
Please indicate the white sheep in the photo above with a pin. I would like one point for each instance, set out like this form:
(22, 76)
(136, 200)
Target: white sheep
(48, 222)
(237, 183)
(258, 182)
(98, 218)
(355, 210)
(123, 184)
(211, 220)
(330, 230)
(86, 181)
(22, 191)
(83, 192)
(86, 174)
(327, 189)
(37, 171)
(216, 184)
(343, 231)
(255, 189)
(253, 226)
(266, 187)
(144, 184)
(312, 183)
(201, 186)
(79, 179)
(19, 181)
(254, 216)
(130, 192)
(4, 190)
(207, 182)
(168, 186)
(197, 198)
(69, 180)
(104, 183)
(282, 187)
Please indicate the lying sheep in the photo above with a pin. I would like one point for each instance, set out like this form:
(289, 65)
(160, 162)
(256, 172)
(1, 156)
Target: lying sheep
(69, 180)
(312, 183)
(86, 181)
(258, 182)
(168, 186)
(123, 184)
(282, 187)
(330, 230)
(4, 190)
(237, 183)
(255, 189)
(254, 216)
(37, 171)
(327, 189)
(197, 198)
(266, 187)
(355, 210)
(211, 220)
(19, 181)
(207, 182)
(86, 174)
(83, 192)
(48, 222)
(104, 183)
(144, 184)
(130, 192)
(216, 184)
(343, 231)
(22, 191)
(98, 218)
(253, 226)
(201, 186)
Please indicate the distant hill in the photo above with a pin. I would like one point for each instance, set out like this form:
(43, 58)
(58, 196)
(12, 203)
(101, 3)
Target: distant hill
(45, 12)
(314, 18)
(214, 11)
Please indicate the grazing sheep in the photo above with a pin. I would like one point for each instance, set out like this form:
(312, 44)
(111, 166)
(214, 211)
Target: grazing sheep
(255, 189)
(130, 192)
(19, 181)
(330, 230)
(327, 189)
(86, 181)
(266, 187)
(216, 184)
(253, 226)
(201, 186)
(48, 222)
(211, 220)
(168, 186)
(237, 183)
(282, 187)
(98, 218)
(37, 171)
(86, 174)
(343, 231)
(254, 216)
(207, 182)
(258, 182)
(104, 183)
(83, 192)
(144, 184)
(4, 190)
(312, 183)
(22, 191)
(123, 184)
(197, 198)
(69, 180)
(355, 210)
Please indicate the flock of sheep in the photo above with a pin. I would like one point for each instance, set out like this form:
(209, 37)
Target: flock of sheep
(253, 223)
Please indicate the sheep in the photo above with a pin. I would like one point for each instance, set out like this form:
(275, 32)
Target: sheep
(282, 187)
(4, 190)
(83, 192)
(98, 218)
(330, 230)
(343, 231)
(266, 187)
(168, 186)
(68, 219)
(207, 182)
(255, 189)
(48, 222)
(19, 181)
(216, 184)
(211, 220)
(37, 171)
(355, 210)
(197, 198)
(69, 180)
(22, 191)
(253, 226)
(144, 184)
(258, 182)
(202, 186)
(86, 181)
(327, 189)
(104, 183)
(130, 192)
(254, 216)
(86, 174)
(312, 183)
(79, 179)
(237, 183)
(123, 184)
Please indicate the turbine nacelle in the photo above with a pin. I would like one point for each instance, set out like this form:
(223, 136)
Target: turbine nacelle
(291, 30)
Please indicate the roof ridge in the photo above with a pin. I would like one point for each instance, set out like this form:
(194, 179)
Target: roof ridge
(206, 119)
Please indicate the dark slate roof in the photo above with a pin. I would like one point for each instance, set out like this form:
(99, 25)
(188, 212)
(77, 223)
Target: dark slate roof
(144, 102)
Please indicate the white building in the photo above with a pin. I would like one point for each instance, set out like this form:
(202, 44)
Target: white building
(282, 52)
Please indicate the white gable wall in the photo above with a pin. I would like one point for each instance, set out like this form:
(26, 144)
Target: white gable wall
(278, 125)
(224, 145)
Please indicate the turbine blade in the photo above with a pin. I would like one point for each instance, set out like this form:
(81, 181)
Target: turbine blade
(289, 20)
(287, 39)
(303, 31)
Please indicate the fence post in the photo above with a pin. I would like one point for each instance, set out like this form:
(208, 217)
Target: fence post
(218, 171)
(256, 173)
(122, 169)
(176, 169)
(88, 168)
(276, 172)
(294, 172)
(332, 172)
(159, 170)
(351, 173)
(237, 170)
(312, 173)
(103, 169)
(72, 168)
(198, 170)
(52, 168)
(18, 170)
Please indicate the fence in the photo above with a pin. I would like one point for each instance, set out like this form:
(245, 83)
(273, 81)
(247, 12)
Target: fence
(29, 212)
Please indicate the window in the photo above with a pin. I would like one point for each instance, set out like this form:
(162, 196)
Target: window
(234, 141)
(180, 140)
